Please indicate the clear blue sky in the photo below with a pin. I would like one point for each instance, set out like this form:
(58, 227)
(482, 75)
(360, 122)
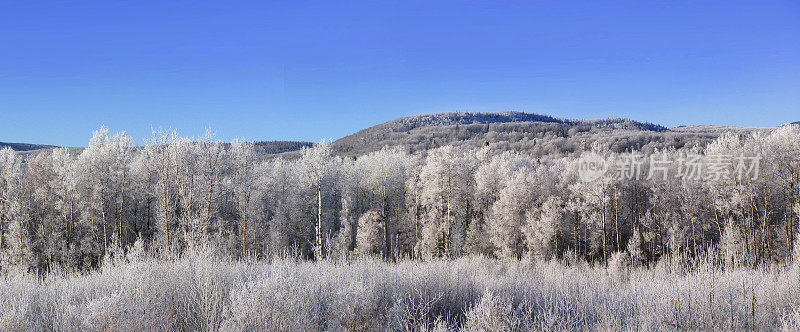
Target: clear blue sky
(304, 70)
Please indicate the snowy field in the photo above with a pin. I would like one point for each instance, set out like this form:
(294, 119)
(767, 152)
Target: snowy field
(200, 293)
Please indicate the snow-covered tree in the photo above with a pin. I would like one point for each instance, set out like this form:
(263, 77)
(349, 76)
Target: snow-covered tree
(541, 227)
(14, 217)
(317, 167)
(243, 182)
(65, 185)
(491, 177)
(447, 182)
(382, 174)
(510, 212)
(593, 201)
(370, 237)
(161, 159)
(211, 157)
(634, 248)
(104, 167)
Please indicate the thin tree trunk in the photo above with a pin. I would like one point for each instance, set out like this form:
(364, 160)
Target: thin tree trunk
(386, 226)
(245, 200)
(318, 243)
(121, 209)
(616, 224)
(605, 260)
(165, 189)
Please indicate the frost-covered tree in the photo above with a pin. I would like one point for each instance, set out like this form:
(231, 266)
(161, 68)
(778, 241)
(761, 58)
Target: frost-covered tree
(188, 188)
(243, 182)
(370, 236)
(781, 162)
(10, 171)
(542, 226)
(353, 204)
(161, 158)
(634, 248)
(65, 185)
(104, 167)
(732, 245)
(509, 199)
(796, 250)
(414, 215)
(280, 195)
(383, 176)
(593, 201)
(211, 159)
(14, 217)
(491, 177)
(317, 167)
(447, 182)
(510, 212)
(45, 234)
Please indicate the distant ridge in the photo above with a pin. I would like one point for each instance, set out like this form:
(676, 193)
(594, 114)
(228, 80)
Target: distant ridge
(464, 118)
(422, 132)
(25, 146)
(525, 132)
(276, 147)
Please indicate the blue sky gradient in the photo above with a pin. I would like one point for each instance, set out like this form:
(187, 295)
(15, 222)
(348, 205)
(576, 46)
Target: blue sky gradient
(304, 70)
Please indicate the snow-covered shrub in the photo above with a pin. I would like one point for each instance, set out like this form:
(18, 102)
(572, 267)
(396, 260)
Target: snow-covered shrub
(15, 302)
(116, 312)
(199, 292)
(282, 299)
(491, 314)
(791, 321)
(619, 263)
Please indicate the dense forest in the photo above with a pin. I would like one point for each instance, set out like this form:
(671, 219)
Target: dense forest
(71, 209)
(455, 222)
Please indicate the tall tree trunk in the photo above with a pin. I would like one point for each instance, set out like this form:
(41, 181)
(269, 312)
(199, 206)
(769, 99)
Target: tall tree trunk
(616, 224)
(245, 200)
(103, 216)
(209, 200)
(165, 192)
(605, 259)
(386, 227)
(318, 230)
(694, 237)
(121, 210)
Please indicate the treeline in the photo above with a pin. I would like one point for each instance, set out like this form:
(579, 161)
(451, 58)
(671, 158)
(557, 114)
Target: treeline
(67, 210)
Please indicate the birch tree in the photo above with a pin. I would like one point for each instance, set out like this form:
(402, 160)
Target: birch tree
(243, 158)
(162, 159)
(65, 184)
(383, 174)
(13, 215)
(447, 185)
(318, 167)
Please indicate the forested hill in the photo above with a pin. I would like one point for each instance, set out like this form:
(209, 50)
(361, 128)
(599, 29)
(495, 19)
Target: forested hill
(467, 118)
(532, 133)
